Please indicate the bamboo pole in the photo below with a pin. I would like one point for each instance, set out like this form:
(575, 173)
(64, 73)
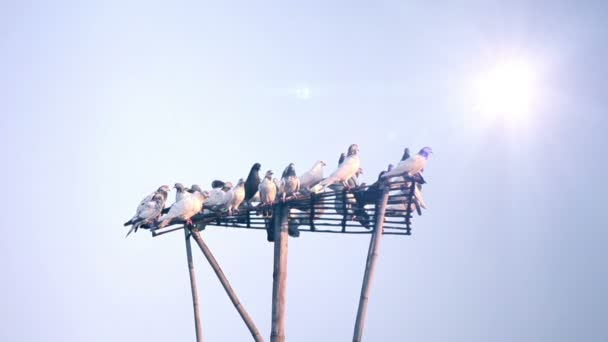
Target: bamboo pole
(197, 318)
(279, 274)
(372, 255)
(220, 274)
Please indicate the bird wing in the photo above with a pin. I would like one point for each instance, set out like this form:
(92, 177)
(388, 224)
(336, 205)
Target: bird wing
(149, 211)
(144, 202)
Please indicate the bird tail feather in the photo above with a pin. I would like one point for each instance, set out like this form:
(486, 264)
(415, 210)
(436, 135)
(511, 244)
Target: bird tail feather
(134, 228)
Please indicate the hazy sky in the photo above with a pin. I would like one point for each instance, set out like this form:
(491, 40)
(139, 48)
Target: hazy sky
(102, 102)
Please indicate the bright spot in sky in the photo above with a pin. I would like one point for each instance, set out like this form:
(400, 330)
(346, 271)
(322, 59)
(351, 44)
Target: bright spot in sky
(302, 93)
(507, 90)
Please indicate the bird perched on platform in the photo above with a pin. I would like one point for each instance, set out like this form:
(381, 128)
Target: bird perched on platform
(236, 196)
(347, 169)
(149, 209)
(187, 207)
(290, 183)
(312, 177)
(180, 191)
(268, 192)
(411, 166)
(193, 188)
(217, 195)
(253, 182)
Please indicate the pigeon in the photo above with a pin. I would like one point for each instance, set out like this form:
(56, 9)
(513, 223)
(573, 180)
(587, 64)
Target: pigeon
(268, 192)
(195, 187)
(346, 170)
(253, 182)
(236, 196)
(217, 195)
(149, 209)
(187, 207)
(217, 184)
(290, 183)
(312, 177)
(412, 165)
(181, 189)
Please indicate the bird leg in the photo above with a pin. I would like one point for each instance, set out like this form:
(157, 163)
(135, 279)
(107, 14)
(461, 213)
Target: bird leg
(346, 185)
(189, 223)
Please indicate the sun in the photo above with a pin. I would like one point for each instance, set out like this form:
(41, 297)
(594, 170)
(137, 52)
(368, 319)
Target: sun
(507, 90)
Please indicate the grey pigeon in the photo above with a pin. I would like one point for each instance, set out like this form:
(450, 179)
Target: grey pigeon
(180, 191)
(290, 183)
(149, 209)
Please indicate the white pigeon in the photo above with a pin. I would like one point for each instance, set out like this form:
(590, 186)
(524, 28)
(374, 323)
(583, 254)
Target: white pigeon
(236, 196)
(268, 192)
(290, 183)
(187, 207)
(411, 166)
(149, 209)
(349, 167)
(313, 176)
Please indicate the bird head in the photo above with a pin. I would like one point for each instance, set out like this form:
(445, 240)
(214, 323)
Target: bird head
(425, 152)
(180, 187)
(269, 174)
(227, 186)
(241, 182)
(196, 187)
(256, 167)
(353, 149)
(217, 184)
(164, 188)
(290, 170)
(321, 163)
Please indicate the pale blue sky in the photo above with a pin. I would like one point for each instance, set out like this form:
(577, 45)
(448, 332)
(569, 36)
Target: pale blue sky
(101, 102)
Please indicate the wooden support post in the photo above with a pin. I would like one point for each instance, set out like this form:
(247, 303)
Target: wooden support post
(372, 255)
(197, 318)
(279, 273)
(220, 274)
